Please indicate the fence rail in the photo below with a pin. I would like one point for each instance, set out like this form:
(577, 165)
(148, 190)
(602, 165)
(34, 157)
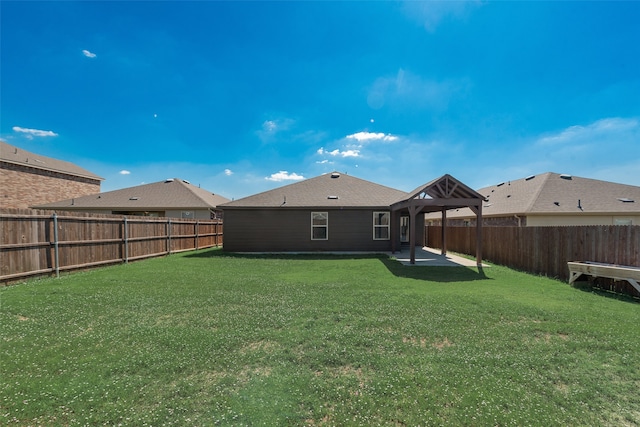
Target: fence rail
(546, 250)
(35, 242)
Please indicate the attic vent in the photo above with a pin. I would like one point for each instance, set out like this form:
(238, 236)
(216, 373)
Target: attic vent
(556, 203)
(335, 175)
(134, 198)
(332, 197)
(487, 205)
(501, 184)
(168, 180)
(625, 200)
(185, 181)
(529, 178)
(566, 176)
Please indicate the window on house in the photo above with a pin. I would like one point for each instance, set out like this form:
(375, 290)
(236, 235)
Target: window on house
(319, 225)
(381, 222)
(622, 221)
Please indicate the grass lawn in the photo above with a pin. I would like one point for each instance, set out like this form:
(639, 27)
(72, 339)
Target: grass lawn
(208, 338)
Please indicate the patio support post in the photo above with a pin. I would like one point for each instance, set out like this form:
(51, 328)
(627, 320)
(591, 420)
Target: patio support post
(413, 211)
(444, 231)
(479, 235)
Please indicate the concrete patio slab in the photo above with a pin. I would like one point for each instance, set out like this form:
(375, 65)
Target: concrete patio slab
(429, 257)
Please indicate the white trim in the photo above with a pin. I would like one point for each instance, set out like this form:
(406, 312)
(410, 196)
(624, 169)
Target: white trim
(382, 226)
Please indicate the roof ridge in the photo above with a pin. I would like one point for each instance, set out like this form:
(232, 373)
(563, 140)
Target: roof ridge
(537, 194)
(192, 189)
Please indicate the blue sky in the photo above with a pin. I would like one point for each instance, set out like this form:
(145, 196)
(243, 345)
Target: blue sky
(242, 97)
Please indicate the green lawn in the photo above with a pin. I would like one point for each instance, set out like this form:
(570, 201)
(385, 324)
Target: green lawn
(207, 338)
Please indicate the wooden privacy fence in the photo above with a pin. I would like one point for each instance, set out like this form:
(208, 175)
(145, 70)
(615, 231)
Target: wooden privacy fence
(545, 250)
(42, 242)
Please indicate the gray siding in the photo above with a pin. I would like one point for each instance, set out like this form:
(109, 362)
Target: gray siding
(289, 230)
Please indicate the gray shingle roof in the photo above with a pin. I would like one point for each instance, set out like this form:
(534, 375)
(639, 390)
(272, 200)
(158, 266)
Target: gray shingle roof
(169, 194)
(552, 193)
(18, 156)
(333, 190)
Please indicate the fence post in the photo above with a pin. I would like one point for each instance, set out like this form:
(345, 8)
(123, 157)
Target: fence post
(197, 227)
(169, 236)
(126, 240)
(55, 244)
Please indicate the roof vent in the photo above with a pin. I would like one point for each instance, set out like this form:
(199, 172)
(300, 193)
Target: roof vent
(335, 175)
(625, 200)
(168, 180)
(501, 184)
(566, 176)
(332, 197)
(134, 198)
(556, 203)
(185, 181)
(529, 178)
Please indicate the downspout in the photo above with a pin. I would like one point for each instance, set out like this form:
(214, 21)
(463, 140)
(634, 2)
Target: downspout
(518, 218)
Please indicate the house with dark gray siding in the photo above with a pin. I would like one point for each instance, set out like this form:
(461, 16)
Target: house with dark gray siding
(338, 212)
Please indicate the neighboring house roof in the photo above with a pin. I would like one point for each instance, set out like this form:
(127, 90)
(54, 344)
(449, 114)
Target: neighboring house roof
(552, 193)
(18, 156)
(169, 194)
(332, 190)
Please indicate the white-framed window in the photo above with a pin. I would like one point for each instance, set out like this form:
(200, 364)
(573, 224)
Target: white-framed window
(381, 221)
(623, 221)
(319, 225)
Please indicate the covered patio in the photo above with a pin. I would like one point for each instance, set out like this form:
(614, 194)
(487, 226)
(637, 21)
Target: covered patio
(440, 195)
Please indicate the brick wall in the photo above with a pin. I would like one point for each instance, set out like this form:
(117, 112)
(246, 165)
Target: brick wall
(23, 187)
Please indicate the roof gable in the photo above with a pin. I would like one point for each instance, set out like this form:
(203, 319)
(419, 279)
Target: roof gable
(445, 187)
(169, 194)
(333, 190)
(18, 156)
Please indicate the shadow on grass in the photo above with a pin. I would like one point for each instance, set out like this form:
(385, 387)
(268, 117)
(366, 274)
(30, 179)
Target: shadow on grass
(427, 273)
(594, 287)
(435, 273)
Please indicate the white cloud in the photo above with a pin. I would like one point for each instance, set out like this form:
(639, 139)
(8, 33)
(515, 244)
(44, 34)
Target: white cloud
(432, 13)
(595, 130)
(408, 90)
(269, 126)
(34, 132)
(338, 153)
(284, 176)
(371, 136)
(124, 172)
(88, 54)
(228, 172)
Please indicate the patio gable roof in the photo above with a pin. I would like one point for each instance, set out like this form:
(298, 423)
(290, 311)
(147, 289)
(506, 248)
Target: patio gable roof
(445, 192)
